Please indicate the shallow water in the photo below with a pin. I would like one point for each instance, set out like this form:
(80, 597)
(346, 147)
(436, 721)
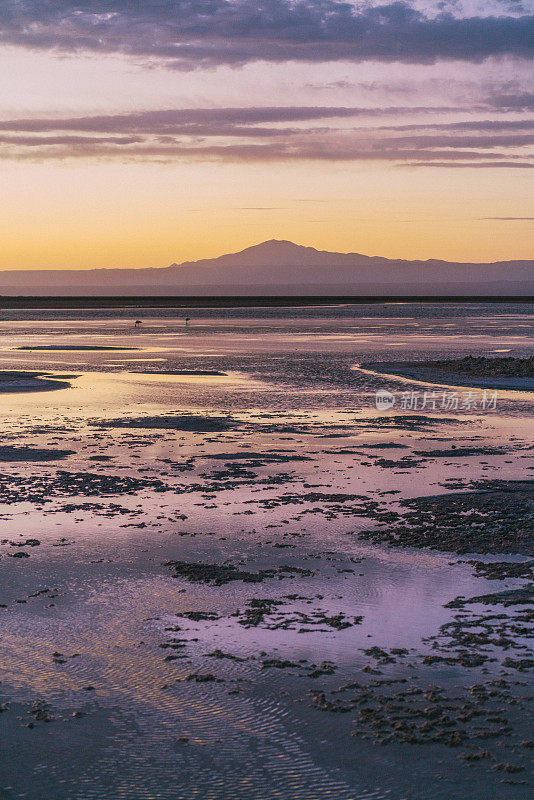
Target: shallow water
(287, 485)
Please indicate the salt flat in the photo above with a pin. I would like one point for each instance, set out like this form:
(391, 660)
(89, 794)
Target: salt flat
(241, 579)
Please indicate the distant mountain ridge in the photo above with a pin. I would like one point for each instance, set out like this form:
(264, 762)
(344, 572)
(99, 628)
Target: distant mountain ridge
(278, 268)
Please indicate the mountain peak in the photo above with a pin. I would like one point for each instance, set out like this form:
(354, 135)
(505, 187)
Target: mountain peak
(278, 245)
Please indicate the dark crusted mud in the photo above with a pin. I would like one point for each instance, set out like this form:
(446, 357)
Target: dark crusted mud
(41, 489)
(73, 348)
(498, 518)
(502, 372)
(176, 422)
(199, 372)
(8, 453)
(502, 367)
(25, 381)
(218, 575)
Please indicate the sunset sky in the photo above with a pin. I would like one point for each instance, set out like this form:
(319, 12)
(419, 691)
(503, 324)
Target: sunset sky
(143, 133)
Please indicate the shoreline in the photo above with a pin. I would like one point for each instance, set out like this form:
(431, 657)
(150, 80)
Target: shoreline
(245, 301)
(434, 376)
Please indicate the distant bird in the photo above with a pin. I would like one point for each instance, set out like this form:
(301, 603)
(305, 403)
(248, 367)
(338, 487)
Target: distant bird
(187, 321)
(138, 322)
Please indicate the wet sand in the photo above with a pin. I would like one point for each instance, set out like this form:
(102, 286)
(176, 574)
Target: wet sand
(241, 580)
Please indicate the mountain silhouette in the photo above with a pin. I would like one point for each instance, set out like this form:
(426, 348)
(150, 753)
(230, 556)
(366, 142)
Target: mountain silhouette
(278, 267)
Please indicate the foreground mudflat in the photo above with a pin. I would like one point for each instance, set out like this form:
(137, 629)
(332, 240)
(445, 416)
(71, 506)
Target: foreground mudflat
(232, 577)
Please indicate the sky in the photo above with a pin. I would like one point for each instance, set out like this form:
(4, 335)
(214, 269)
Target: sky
(138, 134)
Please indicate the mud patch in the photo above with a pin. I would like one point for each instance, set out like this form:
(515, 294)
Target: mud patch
(497, 519)
(8, 453)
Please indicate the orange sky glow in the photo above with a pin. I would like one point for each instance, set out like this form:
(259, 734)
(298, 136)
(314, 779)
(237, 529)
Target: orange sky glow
(127, 158)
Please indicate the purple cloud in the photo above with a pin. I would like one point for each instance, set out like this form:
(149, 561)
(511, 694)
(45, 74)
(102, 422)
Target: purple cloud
(192, 33)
